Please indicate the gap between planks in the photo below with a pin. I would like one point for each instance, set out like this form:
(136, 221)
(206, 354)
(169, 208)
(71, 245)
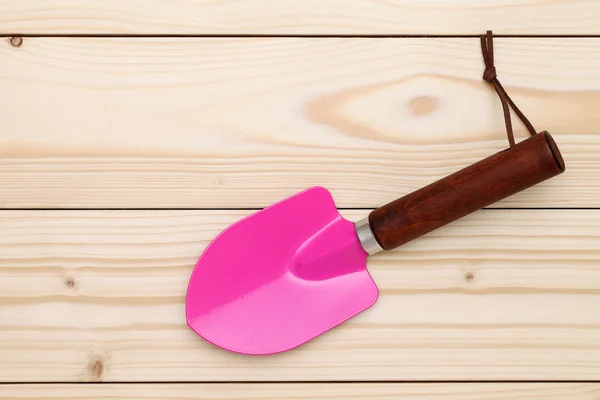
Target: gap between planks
(258, 209)
(305, 382)
(275, 36)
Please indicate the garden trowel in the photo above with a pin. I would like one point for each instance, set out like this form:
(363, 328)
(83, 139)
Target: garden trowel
(285, 274)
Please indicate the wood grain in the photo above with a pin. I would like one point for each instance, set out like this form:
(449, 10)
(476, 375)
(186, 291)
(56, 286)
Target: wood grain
(299, 17)
(498, 295)
(432, 391)
(224, 122)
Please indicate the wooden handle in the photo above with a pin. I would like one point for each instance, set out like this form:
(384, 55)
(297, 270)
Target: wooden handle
(492, 179)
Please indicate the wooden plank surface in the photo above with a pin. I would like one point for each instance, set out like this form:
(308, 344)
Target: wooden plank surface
(432, 391)
(299, 17)
(244, 122)
(499, 295)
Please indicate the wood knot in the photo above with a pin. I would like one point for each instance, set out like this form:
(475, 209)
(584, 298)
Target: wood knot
(16, 41)
(95, 369)
(423, 105)
(469, 276)
(70, 282)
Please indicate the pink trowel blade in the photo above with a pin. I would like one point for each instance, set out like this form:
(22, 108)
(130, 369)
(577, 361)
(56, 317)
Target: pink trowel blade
(280, 277)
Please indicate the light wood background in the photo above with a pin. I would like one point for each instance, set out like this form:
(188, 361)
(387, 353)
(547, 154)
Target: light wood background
(301, 17)
(348, 391)
(244, 122)
(132, 132)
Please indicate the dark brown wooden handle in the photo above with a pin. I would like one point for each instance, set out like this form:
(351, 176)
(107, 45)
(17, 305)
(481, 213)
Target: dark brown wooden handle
(492, 179)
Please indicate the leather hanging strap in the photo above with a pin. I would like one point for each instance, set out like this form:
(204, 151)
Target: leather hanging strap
(489, 75)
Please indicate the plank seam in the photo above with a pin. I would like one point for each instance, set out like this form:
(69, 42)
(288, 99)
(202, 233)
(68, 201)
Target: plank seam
(258, 209)
(408, 382)
(317, 36)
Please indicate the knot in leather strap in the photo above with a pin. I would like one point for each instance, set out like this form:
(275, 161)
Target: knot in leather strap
(489, 74)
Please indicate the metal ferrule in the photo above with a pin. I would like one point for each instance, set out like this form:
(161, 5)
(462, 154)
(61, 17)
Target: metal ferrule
(366, 237)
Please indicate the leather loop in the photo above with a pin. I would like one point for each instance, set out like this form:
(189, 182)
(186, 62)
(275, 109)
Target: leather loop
(489, 75)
